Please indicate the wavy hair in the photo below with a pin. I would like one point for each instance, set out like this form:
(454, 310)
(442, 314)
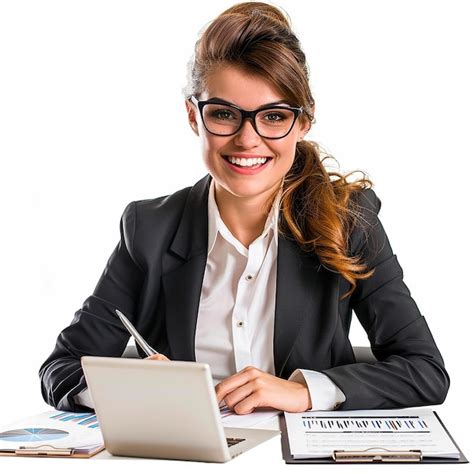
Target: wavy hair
(317, 208)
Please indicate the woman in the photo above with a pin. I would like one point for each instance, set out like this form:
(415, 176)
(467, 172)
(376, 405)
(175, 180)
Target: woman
(257, 267)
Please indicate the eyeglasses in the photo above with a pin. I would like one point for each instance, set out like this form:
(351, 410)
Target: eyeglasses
(224, 119)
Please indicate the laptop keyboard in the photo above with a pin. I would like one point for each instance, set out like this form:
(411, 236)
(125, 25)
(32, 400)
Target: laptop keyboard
(233, 441)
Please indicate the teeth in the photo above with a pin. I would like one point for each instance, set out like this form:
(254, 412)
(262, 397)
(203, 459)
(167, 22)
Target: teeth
(246, 161)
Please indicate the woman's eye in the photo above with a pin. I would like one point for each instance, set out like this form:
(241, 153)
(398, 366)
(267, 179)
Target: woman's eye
(274, 117)
(223, 114)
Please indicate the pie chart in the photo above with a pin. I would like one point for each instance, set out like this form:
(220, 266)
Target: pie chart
(32, 434)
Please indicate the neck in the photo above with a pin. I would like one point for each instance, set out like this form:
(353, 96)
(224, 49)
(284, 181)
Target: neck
(245, 217)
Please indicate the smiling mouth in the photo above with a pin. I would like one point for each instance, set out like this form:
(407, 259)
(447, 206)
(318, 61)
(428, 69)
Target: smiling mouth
(247, 162)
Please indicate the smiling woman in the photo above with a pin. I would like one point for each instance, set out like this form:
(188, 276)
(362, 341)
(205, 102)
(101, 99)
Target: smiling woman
(232, 142)
(249, 58)
(257, 268)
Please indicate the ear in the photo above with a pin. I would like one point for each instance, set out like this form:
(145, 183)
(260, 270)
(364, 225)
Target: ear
(191, 111)
(306, 125)
(313, 109)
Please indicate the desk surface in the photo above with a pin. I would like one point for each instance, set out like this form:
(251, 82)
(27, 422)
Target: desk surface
(267, 455)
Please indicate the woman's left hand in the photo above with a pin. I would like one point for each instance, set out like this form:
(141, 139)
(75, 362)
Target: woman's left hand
(251, 388)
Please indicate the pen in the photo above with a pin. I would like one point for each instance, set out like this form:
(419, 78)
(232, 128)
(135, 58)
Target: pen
(143, 344)
(149, 351)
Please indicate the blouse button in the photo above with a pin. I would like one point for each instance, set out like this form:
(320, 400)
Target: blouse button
(248, 277)
(240, 324)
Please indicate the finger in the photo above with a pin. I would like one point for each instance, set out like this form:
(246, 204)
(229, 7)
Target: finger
(230, 384)
(235, 381)
(239, 394)
(248, 404)
(157, 357)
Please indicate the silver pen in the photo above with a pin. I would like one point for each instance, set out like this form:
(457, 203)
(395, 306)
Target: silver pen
(143, 344)
(149, 351)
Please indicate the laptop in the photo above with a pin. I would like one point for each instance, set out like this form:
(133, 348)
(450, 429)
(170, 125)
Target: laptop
(163, 409)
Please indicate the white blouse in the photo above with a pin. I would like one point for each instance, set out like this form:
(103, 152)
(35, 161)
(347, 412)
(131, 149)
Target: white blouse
(237, 308)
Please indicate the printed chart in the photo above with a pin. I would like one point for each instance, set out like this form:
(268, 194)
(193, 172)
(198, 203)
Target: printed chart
(52, 429)
(32, 434)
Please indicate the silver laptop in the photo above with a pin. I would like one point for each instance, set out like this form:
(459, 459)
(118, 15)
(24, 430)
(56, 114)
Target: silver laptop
(163, 409)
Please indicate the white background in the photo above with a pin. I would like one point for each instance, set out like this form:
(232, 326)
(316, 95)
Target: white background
(92, 117)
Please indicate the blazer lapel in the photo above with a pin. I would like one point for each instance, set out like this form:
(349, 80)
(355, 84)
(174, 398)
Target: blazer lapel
(183, 272)
(299, 288)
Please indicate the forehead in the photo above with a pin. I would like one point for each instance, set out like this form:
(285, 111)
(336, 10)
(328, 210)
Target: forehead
(241, 88)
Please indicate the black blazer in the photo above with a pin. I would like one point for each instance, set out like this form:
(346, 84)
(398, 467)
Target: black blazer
(154, 276)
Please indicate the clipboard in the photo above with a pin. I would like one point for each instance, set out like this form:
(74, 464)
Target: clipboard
(36, 435)
(367, 457)
(48, 451)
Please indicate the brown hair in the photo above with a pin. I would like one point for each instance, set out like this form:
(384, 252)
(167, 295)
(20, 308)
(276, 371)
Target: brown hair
(317, 209)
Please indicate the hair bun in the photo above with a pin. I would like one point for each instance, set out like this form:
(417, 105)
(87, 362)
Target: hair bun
(256, 38)
(259, 9)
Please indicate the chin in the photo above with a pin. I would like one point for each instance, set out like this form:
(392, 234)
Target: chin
(246, 189)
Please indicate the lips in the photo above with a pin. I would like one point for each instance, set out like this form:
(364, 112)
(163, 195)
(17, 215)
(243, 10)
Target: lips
(246, 156)
(246, 170)
(251, 164)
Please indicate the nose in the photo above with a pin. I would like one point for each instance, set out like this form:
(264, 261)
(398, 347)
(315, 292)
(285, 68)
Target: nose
(247, 136)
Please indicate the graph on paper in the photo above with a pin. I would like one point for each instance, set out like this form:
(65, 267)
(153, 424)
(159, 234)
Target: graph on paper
(365, 424)
(53, 429)
(83, 419)
(319, 434)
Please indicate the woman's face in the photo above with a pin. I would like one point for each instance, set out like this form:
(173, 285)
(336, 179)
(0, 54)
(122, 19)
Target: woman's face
(249, 93)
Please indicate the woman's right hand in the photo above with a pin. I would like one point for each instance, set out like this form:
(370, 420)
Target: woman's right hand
(157, 357)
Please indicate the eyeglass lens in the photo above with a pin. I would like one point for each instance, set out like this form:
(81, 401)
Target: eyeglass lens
(225, 120)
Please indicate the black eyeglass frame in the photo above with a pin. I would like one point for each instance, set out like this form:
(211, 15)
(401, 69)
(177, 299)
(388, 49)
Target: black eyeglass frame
(251, 114)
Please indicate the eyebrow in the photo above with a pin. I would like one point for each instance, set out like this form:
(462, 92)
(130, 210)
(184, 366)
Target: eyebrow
(270, 104)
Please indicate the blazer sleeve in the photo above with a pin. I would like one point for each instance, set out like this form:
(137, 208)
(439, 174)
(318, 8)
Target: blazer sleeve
(95, 329)
(409, 370)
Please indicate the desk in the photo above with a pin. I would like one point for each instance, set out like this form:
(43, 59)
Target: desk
(266, 456)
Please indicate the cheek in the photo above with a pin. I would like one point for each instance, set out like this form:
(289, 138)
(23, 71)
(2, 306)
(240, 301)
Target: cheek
(207, 145)
(286, 151)
(212, 145)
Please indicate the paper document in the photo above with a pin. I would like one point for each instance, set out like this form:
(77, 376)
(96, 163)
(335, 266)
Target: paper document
(53, 430)
(316, 434)
(231, 419)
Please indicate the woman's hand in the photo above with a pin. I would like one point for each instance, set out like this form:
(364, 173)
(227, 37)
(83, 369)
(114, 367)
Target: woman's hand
(157, 357)
(251, 388)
